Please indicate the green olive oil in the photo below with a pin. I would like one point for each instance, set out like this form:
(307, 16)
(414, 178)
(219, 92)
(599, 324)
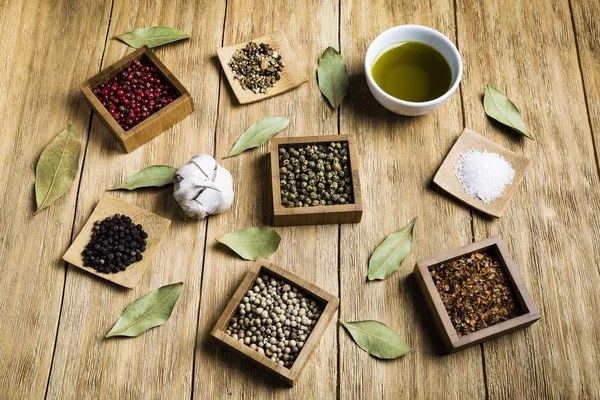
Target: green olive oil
(412, 71)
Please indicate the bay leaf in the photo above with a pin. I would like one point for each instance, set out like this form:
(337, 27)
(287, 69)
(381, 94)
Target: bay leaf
(152, 37)
(500, 108)
(152, 309)
(259, 133)
(388, 256)
(153, 176)
(252, 243)
(333, 76)
(377, 339)
(57, 168)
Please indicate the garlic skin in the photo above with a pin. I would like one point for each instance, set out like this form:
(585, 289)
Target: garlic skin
(202, 187)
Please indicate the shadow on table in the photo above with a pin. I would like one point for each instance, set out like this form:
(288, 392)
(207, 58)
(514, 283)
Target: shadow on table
(432, 343)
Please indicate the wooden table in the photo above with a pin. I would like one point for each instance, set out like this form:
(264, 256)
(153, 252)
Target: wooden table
(544, 54)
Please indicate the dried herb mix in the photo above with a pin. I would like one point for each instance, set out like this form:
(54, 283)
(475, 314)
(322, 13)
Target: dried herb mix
(116, 243)
(257, 67)
(476, 292)
(315, 175)
(275, 319)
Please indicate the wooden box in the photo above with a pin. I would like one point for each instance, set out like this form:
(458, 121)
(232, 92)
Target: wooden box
(316, 215)
(156, 123)
(452, 342)
(329, 301)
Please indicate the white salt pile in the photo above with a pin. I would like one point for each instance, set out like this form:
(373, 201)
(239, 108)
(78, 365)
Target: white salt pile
(484, 175)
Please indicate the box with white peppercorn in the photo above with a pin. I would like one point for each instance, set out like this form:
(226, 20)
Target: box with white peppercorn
(275, 320)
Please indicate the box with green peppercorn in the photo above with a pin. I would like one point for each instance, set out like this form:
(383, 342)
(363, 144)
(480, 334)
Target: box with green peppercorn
(275, 320)
(314, 180)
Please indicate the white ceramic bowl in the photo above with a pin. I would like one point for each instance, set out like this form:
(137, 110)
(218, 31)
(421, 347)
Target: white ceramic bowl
(413, 33)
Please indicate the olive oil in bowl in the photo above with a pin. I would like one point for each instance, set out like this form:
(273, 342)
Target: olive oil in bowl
(412, 71)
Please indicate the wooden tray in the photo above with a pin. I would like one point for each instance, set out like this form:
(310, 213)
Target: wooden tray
(450, 339)
(154, 225)
(294, 74)
(155, 124)
(336, 214)
(290, 376)
(469, 140)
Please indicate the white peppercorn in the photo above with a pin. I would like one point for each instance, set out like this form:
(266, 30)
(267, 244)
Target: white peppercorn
(274, 319)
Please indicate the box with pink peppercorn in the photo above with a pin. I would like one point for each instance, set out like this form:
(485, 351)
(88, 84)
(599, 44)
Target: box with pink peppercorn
(137, 98)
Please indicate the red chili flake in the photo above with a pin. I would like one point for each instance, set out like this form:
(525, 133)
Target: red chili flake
(476, 292)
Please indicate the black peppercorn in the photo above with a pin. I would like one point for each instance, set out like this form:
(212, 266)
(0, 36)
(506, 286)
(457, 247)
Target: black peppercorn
(115, 244)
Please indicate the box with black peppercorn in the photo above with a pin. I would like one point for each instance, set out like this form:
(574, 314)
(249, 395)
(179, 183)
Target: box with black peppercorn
(275, 319)
(315, 180)
(117, 242)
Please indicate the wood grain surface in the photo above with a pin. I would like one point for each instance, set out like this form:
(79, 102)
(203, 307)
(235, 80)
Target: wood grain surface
(543, 54)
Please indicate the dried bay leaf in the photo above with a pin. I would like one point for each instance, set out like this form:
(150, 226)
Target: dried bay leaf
(152, 309)
(388, 256)
(252, 243)
(152, 37)
(153, 176)
(333, 76)
(500, 108)
(57, 168)
(377, 339)
(259, 133)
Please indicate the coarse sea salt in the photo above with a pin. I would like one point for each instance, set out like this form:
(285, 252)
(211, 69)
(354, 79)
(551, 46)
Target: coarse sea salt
(484, 175)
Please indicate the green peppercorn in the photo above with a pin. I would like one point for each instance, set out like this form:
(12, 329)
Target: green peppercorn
(315, 175)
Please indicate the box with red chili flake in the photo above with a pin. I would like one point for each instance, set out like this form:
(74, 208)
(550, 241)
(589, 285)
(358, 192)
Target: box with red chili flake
(137, 98)
(475, 293)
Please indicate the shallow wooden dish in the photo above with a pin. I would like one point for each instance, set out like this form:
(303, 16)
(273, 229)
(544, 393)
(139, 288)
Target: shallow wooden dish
(469, 140)
(294, 74)
(154, 225)
(450, 339)
(290, 376)
(155, 124)
(317, 215)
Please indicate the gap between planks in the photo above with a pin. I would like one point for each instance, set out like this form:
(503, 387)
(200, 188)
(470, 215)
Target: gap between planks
(66, 264)
(214, 154)
(471, 221)
(585, 91)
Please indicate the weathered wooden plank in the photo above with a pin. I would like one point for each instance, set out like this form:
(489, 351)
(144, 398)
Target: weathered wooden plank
(157, 364)
(310, 252)
(587, 35)
(399, 157)
(527, 50)
(41, 65)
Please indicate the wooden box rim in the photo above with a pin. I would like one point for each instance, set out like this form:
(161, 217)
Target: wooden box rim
(446, 329)
(279, 209)
(109, 72)
(289, 375)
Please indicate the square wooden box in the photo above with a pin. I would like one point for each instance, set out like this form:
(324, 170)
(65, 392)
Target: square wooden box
(450, 339)
(156, 123)
(290, 376)
(155, 226)
(317, 215)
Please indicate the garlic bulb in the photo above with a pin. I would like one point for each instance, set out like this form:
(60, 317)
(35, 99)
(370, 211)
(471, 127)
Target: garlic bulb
(202, 187)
